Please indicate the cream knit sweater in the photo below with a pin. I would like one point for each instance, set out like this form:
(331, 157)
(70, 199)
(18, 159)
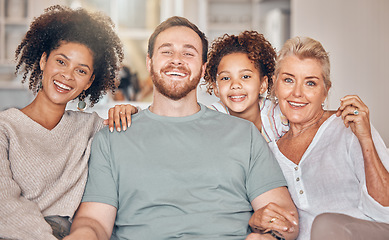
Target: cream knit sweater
(42, 172)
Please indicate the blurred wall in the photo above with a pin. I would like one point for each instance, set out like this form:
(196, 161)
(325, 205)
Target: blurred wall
(355, 33)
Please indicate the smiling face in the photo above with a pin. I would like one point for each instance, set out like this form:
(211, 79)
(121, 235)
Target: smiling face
(239, 83)
(176, 66)
(300, 89)
(67, 71)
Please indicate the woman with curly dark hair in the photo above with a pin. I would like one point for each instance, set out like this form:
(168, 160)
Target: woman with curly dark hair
(44, 150)
(239, 70)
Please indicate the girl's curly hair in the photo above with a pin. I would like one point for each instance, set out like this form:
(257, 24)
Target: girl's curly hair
(60, 24)
(254, 44)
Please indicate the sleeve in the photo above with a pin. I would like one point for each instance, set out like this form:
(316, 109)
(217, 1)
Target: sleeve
(101, 185)
(367, 204)
(264, 171)
(20, 218)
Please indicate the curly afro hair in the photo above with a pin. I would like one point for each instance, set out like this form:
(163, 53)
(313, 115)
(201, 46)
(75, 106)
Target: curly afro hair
(60, 24)
(257, 48)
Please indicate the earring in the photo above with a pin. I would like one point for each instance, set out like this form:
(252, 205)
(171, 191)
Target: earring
(81, 105)
(39, 86)
(322, 105)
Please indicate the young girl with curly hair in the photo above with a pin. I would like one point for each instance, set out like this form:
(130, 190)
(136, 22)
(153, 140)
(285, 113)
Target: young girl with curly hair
(239, 70)
(44, 150)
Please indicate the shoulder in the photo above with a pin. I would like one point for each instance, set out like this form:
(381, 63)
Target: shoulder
(12, 117)
(83, 117)
(219, 106)
(83, 120)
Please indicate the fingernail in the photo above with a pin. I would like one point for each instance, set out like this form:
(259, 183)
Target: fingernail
(295, 223)
(124, 128)
(285, 228)
(128, 124)
(118, 129)
(111, 129)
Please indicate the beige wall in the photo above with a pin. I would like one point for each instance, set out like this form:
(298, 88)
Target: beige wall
(356, 33)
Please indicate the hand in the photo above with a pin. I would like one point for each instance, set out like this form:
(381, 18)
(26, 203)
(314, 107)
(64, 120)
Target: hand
(257, 236)
(355, 114)
(273, 217)
(120, 115)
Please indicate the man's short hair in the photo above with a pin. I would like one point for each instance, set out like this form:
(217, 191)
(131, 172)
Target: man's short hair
(176, 21)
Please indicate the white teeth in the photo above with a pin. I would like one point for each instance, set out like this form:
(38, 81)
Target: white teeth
(62, 85)
(297, 104)
(236, 97)
(175, 74)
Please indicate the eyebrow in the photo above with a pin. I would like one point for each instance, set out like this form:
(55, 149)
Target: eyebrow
(240, 71)
(84, 65)
(308, 77)
(190, 46)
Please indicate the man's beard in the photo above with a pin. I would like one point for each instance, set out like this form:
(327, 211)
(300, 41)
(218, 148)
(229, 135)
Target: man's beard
(172, 89)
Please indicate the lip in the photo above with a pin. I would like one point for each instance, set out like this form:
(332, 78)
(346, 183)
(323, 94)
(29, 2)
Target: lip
(297, 104)
(61, 87)
(237, 98)
(175, 72)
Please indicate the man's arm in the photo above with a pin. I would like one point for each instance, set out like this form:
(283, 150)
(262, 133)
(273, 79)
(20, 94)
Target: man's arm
(93, 221)
(275, 210)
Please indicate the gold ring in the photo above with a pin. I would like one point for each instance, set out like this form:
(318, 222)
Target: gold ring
(272, 220)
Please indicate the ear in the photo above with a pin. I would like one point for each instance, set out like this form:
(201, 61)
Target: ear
(43, 61)
(148, 63)
(264, 84)
(203, 67)
(90, 82)
(216, 89)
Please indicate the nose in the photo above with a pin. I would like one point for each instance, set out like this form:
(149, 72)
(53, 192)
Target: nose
(235, 83)
(297, 90)
(176, 58)
(67, 74)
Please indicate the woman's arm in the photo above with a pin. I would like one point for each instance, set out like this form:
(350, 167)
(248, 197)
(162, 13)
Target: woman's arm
(19, 217)
(355, 115)
(274, 210)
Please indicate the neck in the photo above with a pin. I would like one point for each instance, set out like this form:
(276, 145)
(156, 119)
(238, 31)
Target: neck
(297, 129)
(253, 116)
(165, 106)
(44, 112)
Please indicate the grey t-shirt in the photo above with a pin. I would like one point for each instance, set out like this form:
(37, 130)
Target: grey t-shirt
(182, 177)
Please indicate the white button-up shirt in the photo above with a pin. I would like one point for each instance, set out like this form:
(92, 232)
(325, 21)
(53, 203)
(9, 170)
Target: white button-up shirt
(330, 176)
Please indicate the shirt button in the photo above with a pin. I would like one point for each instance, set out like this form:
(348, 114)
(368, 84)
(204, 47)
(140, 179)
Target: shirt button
(297, 179)
(301, 192)
(296, 168)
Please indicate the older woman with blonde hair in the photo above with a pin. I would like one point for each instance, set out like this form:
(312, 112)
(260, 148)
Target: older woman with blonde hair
(334, 162)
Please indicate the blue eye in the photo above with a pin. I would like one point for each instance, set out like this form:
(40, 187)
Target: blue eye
(288, 80)
(311, 83)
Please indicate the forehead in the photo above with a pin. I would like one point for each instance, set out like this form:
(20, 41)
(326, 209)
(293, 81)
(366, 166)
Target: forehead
(301, 65)
(179, 36)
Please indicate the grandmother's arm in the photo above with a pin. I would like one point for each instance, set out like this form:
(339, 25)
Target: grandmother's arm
(355, 115)
(275, 210)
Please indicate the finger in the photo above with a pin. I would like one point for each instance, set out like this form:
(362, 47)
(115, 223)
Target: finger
(129, 111)
(123, 119)
(116, 118)
(283, 214)
(281, 225)
(110, 119)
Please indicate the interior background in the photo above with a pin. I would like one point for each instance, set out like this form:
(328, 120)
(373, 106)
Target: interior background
(354, 32)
